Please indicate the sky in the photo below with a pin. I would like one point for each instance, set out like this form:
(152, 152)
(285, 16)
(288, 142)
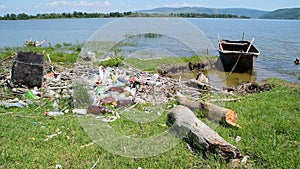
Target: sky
(105, 6)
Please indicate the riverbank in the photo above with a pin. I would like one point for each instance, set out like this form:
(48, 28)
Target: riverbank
(269, 136)
(274, 38)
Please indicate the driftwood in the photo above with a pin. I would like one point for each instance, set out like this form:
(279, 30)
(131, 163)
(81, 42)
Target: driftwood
(214, 112)
(199, 83)
(196, 84)
(199, 135)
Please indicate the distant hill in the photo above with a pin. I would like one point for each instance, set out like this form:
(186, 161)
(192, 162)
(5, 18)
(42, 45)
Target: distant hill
(253, 13)
(287, 13)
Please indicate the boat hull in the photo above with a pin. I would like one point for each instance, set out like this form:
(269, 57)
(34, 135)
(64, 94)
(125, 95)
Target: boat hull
(236, 62)
(236, 56)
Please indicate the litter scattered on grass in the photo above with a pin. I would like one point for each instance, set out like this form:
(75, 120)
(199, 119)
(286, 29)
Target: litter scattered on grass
(53, 135)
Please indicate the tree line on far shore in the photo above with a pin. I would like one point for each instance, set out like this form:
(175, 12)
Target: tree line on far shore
(75, 14)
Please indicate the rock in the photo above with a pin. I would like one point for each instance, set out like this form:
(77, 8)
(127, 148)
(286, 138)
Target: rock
(297, 61)
(196, 66)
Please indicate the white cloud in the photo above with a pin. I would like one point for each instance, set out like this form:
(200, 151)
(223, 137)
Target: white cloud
(2, 6)
(106, 3)
(81, 3)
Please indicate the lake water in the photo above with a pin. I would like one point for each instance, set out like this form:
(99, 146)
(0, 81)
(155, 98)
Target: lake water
(277, 40)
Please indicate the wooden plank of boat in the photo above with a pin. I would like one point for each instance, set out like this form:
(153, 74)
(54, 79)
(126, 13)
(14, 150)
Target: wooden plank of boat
(234, 43)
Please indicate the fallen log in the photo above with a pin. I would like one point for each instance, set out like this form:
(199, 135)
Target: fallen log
(200, 136)
(214, 112)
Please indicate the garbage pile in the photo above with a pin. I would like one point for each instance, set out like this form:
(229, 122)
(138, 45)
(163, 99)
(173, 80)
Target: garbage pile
(115, 88)
(28, 80)
(55, 86)
(106, 89)
(58, 85)
(109, 88)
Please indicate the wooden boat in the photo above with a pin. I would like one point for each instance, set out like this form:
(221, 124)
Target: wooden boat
(236, 56)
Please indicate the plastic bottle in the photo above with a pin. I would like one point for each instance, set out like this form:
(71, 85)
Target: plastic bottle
(80, 111)
(18, 104)
(29, 94)
(54, 113)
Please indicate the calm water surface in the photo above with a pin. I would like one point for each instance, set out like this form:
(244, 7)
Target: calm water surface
(14, 33)
(277, 40)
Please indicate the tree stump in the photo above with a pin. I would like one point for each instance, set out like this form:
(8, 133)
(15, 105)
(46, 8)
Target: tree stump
(199, 135)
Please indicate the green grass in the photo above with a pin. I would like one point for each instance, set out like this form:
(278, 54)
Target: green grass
(270, 137)
(270, 122)
(66, 54)
(153, 64)
(23, 145)
(270, 129)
